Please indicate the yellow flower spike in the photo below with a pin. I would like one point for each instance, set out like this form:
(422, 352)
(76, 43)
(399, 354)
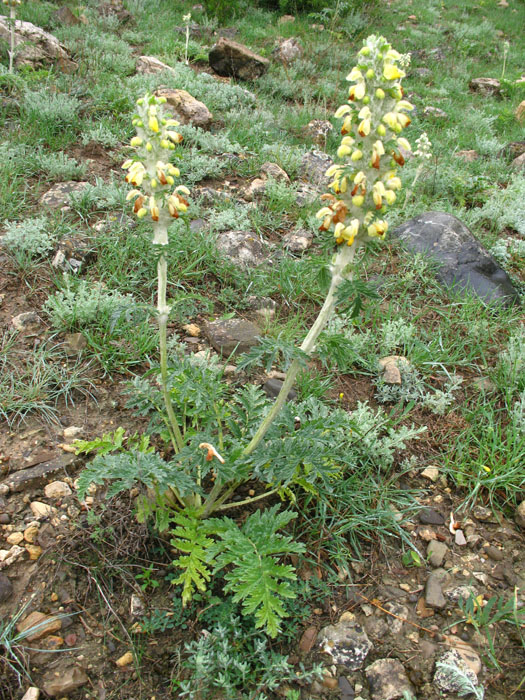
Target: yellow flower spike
(341, 111)
(141, 213)
(347, 125)
(343, 185)
(153, 124)
(380, 94)
(343, 151)
(390, 197)
(347, 141)
(391, 72)
(379, 148)
(390, 119)
(364, 127)
(393, 183)
(339, 228)
(356, 155)
(355, 75)
(359, 178)
(403, 120)
(358, 200)
(175, 172)
(333, 170)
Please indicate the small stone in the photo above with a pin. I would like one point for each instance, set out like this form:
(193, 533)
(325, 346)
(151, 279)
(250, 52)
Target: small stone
(446, 681)
(26, 321)
(5, 518)
(15, 538)
(488, 87)
(73, 432)
(318, 130)
(307, 640)
(34, 693)
(232, 336)
(330, 682)
(255, 189)
(75, 342)
(429, 516)
(37, 625)
(274, 172)
(459, 538)
(149, 65)
(42, 510)
(434, 112)
(185, 108)
(519, 516)
(469, 156)
(520, 111)
(434, 597)
(31, 533)
(57, 489)
(436, 552)
(391, 367)
(34, 551)
(518, 163)
(288, 50)
(6, 588)
(66, 682)
(298, 241)
(192, 329)
(346, 642)
(9, 556)
(431, 473)
(483, 514)
(125, 660)
(387, 680)
(136, 606)
(272, 387)
(242, 247)
(4, 490)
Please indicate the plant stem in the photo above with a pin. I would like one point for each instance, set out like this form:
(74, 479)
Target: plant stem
(340, 272)
(12, 22)
(246, 501)
(163, 313)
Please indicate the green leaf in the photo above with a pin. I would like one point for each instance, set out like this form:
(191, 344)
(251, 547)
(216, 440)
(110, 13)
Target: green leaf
(351, 295)
(268, 352)
(257, 579)
(190, 537)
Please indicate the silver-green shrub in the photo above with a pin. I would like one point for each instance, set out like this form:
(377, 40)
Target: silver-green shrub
(29, 238)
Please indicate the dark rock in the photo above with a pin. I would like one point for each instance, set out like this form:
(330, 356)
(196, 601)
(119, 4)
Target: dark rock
(243, 247)
(346, 642)
(494, 553)
(465, 265)
(5, 518)
(347, 692)
(232, 336)
(488, 87)
(37, 476)
(387, 680)
(6, 588)
(272, 387)
(429, 516)
(314, 165)
(228, 58)
(58, 196)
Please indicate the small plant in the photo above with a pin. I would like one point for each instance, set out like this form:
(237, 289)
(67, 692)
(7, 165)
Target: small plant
(187, 19)
(51, 111)
(59, 166)
(29, 239)
(12, 4)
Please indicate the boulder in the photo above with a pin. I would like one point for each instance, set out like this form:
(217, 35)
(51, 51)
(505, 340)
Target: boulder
(488, 87)
(464, 264)
(232, 336)
(387, 680)
(287, 51)
(150, 65)
(346, 642)
(35, 47)
(274, 172)
(314, 165)
(242, 247)
(185, 108)
(58, 196)
(229, 58)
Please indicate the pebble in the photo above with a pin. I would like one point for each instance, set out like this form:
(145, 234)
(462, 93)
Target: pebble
(57, 489)
(519, 517)
(431, 473)
(387, 680)
(6, 588)
(125, 660)
(494, 553)
(15, 538)
(40, 624)
(434, 597)
(72, 432)
(34, 551)
(4, 490)
(31, 533)
(32, 693)
(9, 556)
(42, 510)
(447, 682)
(429, 516)
(65, 682)
(436, 552)
(26, 321)
(426, 534)
(307, 640)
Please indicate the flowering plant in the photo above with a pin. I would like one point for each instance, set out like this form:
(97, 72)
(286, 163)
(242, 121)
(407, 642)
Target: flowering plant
(12, 4)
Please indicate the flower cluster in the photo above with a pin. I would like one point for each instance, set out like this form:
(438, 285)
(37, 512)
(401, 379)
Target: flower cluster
(150, 168)
(12, 3)
(423, 147)
(364, 185)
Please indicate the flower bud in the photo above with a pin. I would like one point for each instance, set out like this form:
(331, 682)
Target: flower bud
(136, 141)
(380, 94)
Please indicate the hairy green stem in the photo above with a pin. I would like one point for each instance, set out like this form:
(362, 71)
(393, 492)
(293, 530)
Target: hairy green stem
(341, 270)
(246, 501)
(12, 23)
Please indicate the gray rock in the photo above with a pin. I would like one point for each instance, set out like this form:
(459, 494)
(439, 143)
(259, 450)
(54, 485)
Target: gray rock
(512, 150)
(66, 682)
(65, 16)
(488, 87)
(434, 597)
(435, 112)
(519, 517)
(58, 196)
(243, 247)
(298, 241)
(274, 171)
(232, 336)
(318, 130)
(400, 611)
(287, 51)
(387, 680)
(149, 65)
(314, 165)
(445, 679)
(35, 47)
(305, 194)
(6, 587)
(518, 163)
(429, 516)
(255, 189)
(37, 476)
(436, 552)
(272, 387)
(464, 264)
(229, 58)
(458, 593)
(346, 642)
(185, 108)
(29, 320)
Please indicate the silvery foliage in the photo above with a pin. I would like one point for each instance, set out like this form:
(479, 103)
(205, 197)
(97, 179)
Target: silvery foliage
(30, 237)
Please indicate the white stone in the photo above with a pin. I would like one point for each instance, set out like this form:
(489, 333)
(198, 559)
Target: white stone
(42, 510)
(72, 432)
(57, 489)
(431, 473)
(31, 694)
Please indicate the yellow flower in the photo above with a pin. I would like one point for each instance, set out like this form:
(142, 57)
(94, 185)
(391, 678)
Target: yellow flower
(364, 127)
(357, 92)
(153, 124)
(392, 72)
(343, 150)
(355, 75)
(358, 200)
(404, 144)
(356, 155)
(341, 111)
